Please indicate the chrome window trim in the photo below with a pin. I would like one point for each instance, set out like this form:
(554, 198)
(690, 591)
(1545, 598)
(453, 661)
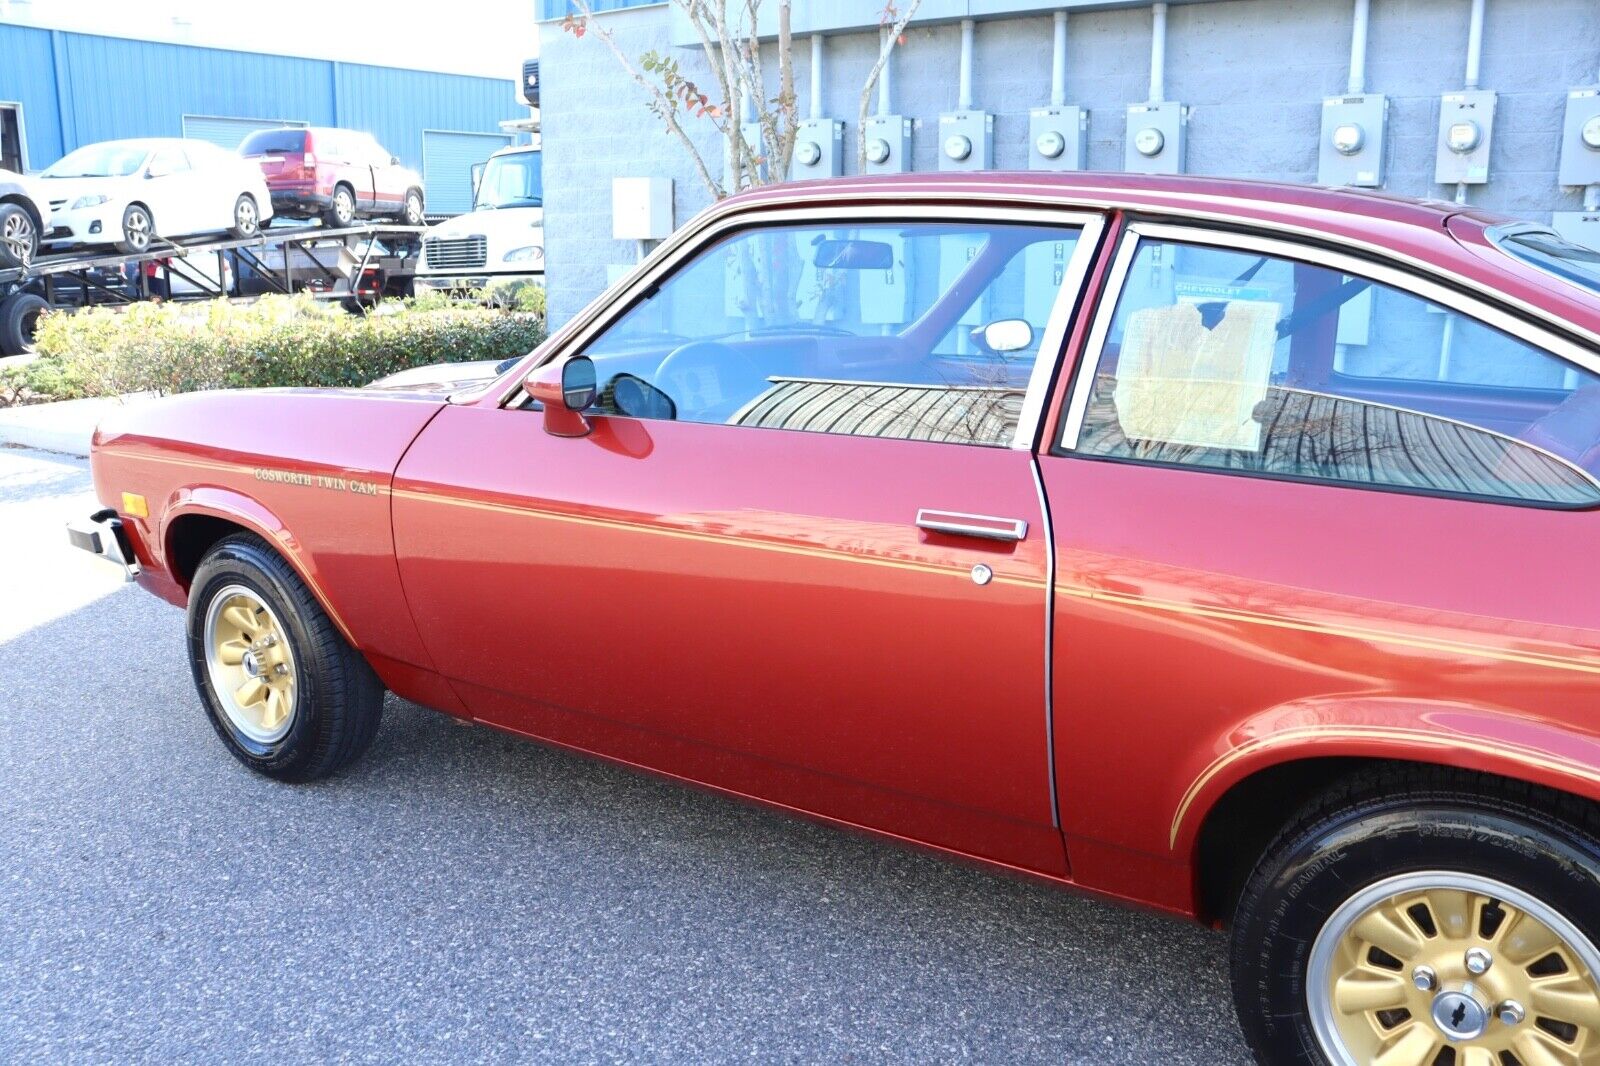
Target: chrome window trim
(1405, 280)
(1199, 208)
(617, 300)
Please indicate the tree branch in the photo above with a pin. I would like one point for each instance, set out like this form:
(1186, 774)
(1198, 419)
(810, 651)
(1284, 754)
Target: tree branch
(889, 42)
(664, 105)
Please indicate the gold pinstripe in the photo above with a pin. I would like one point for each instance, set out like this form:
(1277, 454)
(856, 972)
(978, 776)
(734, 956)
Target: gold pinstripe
(1532, 757)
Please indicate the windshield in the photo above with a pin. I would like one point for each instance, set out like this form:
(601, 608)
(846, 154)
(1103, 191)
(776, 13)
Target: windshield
(511, 181)
(1554, 253)
(116, 159)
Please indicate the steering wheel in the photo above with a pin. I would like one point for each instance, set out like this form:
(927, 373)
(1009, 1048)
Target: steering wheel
(677, 373)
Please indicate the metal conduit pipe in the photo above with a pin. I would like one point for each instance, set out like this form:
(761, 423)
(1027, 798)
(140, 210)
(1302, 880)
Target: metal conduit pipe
(1058, 62)
(964, 97)
(1158, 52)
(1475, 43)
(816, 75)
(1358, 49)
(1474, 63)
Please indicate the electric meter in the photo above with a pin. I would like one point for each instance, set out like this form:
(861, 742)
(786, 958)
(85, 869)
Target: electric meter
(1464, 136)
(1580, 140)
(1058, 138)
(957, 146)
(1051, 144)
(1466, 128)
(888, 140)
(967, 140)
(1149, 141)
(1348, 138)
(877, 150)
(808, 152)
(1591, 134)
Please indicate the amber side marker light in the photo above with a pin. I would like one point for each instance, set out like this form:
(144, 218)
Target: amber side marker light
(135, 505)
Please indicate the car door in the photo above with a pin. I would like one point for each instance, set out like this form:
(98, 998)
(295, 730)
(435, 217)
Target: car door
(802, 553)
(172, 191)
(1302, 493)
(388, 178)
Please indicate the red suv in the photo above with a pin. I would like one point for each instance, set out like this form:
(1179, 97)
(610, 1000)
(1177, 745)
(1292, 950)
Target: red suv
(335, 175)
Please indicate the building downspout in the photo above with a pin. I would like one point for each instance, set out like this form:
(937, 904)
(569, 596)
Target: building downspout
(1058, 62)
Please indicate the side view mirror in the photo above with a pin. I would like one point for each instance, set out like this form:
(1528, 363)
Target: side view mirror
(394, 161)
(566, 388)
(1006, 335)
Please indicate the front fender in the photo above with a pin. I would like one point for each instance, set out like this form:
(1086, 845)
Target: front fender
(1539, 750)
(230, 505)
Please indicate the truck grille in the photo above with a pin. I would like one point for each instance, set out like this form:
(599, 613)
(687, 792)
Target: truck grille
(455, 253)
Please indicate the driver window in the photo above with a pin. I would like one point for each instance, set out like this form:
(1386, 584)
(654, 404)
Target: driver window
(925, 331)
(168, 161)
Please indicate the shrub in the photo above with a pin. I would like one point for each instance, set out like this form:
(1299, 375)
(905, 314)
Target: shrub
(277, 340)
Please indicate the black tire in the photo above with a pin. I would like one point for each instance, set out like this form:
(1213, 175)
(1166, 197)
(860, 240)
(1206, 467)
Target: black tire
(138, 230)
(341, 210)
(19, 314)
(246, 216)
(19, 236)
(337, 699)
(1377, 828)
(414, 212)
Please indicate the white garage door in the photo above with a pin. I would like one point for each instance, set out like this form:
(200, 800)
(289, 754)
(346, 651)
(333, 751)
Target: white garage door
(229, 132)
(447, 160)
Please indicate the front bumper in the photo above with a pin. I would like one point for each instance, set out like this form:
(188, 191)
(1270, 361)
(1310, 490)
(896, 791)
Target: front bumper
(471, 282)
(102, 534)
(101, 224)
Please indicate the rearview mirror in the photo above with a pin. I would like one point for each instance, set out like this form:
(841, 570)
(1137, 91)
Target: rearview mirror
(854, 255)
(565, 388)
(1006, 335)
(394, 161)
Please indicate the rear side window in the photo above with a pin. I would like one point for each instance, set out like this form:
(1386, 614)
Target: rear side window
(1228, 360)
(274, 142)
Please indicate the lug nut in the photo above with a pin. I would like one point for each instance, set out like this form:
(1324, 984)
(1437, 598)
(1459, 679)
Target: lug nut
(1478, 961)
(1510, 1012)
(281, 669)
(1424, 978)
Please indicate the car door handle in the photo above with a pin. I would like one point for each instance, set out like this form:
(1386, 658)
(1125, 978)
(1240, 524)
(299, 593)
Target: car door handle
(985, 527)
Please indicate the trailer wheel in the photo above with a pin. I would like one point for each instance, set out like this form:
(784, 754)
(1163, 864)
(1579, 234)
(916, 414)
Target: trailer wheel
(137, 230)
(19, 317)
(342, 208)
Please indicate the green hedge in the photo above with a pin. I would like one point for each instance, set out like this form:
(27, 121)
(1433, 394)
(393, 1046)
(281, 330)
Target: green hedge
(277, 340)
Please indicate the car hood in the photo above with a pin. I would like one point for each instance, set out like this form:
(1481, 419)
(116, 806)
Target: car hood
(443, 379)
(491, 221)
(70, 189)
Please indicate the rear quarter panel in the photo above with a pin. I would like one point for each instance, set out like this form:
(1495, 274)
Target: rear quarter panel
(309, 470)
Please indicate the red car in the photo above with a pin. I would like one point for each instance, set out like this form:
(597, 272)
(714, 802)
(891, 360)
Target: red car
(336, 175)
(1223, 547)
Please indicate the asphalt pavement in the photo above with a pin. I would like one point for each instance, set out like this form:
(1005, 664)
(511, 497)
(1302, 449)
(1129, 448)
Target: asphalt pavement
(461, 895)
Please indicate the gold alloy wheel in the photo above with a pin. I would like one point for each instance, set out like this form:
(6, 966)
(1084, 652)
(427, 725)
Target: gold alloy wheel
(250, 663)
(1448, 969)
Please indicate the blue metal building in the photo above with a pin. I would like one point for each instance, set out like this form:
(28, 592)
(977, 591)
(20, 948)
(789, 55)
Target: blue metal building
(60, 90)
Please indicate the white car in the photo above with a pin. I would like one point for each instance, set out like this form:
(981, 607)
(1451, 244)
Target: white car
(129, 193)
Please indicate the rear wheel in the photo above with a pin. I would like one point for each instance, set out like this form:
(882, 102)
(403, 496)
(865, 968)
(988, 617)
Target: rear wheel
(1415, 918)
(19, 317)
(341, 208)
(19, 237)
(246, 217)
(138, 230)
(284, 690)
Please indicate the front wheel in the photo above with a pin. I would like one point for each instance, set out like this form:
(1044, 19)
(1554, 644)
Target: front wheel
(1418, 919)
(284, 690)
(138, 230)
(412, 214)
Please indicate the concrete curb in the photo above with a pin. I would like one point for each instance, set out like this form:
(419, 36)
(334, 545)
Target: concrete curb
(65, 426)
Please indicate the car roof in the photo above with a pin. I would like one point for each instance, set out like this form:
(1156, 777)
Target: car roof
(1444, 238)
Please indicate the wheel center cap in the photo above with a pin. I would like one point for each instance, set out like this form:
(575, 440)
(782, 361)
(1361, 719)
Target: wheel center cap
(1459, 1016)
(252, 665)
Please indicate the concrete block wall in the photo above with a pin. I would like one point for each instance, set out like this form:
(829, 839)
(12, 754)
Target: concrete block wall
(1254, 72)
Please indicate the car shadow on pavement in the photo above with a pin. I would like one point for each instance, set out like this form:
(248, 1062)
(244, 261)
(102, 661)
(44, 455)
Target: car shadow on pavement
(464, 894)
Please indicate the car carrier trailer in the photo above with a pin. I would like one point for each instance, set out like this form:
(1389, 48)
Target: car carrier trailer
(358, 265)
